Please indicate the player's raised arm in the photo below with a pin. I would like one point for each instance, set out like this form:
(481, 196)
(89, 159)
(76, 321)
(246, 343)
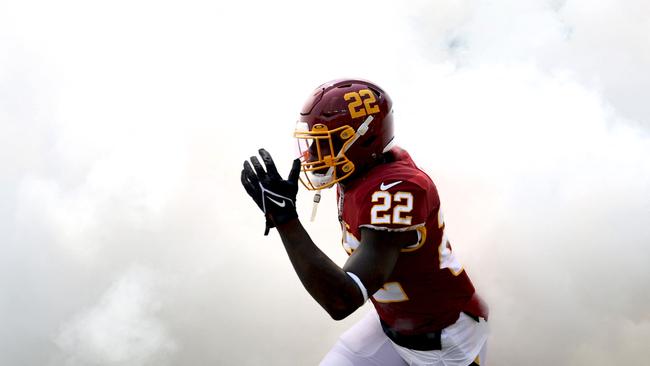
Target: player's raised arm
(334, 289)
(341, 291)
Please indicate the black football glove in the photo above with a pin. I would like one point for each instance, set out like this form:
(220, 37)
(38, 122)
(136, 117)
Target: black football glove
(275, 196)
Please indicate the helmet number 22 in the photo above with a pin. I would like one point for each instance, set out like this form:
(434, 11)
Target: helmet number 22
(363, 103)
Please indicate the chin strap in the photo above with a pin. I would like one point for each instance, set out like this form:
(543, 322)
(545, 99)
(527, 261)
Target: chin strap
(358, 133)
(315, 207)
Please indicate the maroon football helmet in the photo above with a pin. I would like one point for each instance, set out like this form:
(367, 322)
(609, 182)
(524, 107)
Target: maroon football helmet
(344, 127)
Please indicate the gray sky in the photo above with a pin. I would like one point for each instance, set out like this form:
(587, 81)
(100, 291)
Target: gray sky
(127, 240)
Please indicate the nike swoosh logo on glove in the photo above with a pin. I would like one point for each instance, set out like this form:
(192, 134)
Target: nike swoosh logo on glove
(281, 204)
(384, 187)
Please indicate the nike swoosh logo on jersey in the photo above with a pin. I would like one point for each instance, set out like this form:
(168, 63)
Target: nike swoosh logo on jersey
(384, 187)
(281, 204)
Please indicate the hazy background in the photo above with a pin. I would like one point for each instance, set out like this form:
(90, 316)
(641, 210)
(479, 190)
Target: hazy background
(126, 238)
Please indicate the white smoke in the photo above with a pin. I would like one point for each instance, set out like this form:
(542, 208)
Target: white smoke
(545, 158)
(546, 196)
(123, 328)
(602, 43)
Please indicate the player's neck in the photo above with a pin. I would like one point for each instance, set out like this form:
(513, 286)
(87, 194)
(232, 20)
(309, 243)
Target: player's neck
(361, 174)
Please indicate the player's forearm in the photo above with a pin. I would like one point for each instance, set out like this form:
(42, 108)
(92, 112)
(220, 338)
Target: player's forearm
(325, 281)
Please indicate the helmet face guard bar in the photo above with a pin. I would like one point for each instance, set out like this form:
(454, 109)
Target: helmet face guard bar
(322, 153)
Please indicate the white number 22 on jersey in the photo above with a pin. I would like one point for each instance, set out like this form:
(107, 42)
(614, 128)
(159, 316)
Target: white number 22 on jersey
(380, 212)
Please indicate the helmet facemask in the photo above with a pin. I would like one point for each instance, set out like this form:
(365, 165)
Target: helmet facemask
(322, 153)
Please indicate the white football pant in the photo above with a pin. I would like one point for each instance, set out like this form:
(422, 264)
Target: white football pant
(365, 344)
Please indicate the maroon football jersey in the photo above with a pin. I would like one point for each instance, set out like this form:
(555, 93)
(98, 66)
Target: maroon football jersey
(428, 288)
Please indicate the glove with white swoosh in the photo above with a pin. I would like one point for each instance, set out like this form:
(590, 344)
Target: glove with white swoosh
(275, 196)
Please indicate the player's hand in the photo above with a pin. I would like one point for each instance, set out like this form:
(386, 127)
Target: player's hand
(275, 196)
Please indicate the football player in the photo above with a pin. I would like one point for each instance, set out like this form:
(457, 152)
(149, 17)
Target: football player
(426, 311)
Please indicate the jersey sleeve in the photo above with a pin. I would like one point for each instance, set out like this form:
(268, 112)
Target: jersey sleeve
(395, 206)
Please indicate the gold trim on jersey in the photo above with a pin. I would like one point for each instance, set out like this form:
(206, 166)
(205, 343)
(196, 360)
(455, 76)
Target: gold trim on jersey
(383, 228)
(422, 234)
